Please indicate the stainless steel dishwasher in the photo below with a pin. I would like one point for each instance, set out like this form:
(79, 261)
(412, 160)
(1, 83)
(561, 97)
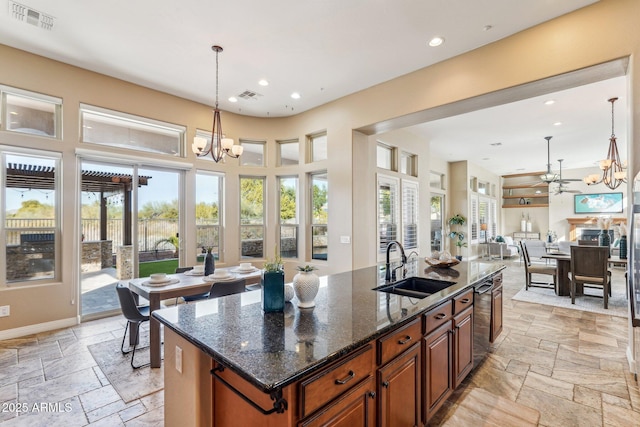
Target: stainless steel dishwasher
(482, 297)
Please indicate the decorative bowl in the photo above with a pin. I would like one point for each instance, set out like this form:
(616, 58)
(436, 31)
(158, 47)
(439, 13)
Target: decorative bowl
(442, 263)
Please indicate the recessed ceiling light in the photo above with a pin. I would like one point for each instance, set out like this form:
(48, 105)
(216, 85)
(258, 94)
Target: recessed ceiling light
(263, 82)
(436, 41)
(486, 158)
(549, 102)
(557, 124)
(496, 144)
(233, 99)
(295, 95)
(487, 27)
(13, 113)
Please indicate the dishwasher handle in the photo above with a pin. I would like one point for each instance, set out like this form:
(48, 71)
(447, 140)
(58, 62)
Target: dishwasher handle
(484, 288)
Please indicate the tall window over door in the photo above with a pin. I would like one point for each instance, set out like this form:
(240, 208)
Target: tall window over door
(437, 213)
(288, 202)
(208, 211)
(319, 216)
(31, 216)
(252, 217)
(409, 214)
(388, 210)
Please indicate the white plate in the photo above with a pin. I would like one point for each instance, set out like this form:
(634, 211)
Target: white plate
(210, 278)
(151, 284)
(194, 273)
(242, 271)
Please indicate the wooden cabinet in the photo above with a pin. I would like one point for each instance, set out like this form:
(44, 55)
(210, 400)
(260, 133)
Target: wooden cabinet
(447, 350)
(524, 190)
(399, 389)
(438, 368)
(463, 345)
(355, 408)
(496, 308)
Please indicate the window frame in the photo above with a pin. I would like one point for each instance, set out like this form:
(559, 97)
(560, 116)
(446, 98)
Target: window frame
(311, 139)
(280, 144)
(221, 211)
(312, 223)
(296, 224)
(34, 96)
(263, 144)
(58, 212)
(240, 219)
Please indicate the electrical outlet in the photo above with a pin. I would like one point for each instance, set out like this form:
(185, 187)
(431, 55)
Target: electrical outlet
(5, 310)
(178, 359)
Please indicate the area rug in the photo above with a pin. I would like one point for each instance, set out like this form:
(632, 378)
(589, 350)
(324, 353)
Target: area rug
(617, 302)
(131, 384)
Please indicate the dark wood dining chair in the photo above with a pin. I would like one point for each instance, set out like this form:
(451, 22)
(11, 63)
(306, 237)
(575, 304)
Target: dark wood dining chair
(531, 269)
(229, 287)
(589, 268)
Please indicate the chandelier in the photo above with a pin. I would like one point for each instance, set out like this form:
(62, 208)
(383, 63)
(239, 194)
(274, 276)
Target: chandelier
(219, 146)
(613, 169)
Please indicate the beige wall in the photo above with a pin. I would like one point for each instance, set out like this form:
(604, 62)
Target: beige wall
(593, 35)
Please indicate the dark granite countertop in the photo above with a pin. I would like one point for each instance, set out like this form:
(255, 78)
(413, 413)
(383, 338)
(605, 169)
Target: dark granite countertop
(272, 350)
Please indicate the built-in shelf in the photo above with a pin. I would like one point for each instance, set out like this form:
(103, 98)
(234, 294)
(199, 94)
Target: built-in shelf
(524, 190)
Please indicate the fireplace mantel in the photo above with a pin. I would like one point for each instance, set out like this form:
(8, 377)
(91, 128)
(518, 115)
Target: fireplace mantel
(586, 222)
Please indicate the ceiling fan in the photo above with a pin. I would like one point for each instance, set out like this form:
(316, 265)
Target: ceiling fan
(562, 188)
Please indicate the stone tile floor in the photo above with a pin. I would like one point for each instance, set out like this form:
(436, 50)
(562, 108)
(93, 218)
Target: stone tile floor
(551, 367)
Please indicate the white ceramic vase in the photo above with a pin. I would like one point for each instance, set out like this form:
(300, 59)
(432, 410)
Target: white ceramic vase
(305, 286)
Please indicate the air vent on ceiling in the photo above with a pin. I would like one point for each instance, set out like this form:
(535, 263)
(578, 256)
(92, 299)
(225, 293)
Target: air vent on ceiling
(249, 94)
(30, 16)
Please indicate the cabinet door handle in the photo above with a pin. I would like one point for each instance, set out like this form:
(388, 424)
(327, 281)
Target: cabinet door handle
(346, 379)
(465, 301)
(440, 316)
(385, 384)
(372, 394)
(405, 340)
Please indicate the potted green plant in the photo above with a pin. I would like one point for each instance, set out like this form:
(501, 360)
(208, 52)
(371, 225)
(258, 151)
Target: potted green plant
(305, 286)
(272, 282)
(455, 234)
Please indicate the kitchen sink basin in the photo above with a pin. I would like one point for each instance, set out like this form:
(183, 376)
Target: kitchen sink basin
(416, 287)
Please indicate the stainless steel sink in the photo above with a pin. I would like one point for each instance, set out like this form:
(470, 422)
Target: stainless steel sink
(416, 287)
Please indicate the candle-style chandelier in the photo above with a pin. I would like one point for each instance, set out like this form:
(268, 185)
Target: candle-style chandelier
(219, 146)
(614, 170)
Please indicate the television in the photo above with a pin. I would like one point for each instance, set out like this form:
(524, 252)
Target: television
(598, 203)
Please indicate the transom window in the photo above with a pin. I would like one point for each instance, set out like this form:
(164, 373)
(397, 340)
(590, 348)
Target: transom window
(253, 154)
(121, 130)
(30, 112)
(288, 153)
(384, 156)
(318, 147)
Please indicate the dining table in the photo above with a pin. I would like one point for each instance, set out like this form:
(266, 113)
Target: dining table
(563, 267)
(177, 285)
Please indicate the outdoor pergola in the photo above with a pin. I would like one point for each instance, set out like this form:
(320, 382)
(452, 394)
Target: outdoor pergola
(105, 183)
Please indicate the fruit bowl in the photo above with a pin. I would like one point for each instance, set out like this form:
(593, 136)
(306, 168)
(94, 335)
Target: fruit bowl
(439, 263)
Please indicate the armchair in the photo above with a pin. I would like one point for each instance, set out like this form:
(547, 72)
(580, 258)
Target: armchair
(503, 249)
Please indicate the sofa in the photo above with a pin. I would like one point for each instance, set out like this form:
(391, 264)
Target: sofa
(507, 249)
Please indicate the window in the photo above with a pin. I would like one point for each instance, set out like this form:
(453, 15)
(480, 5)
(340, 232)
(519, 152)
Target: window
(388, 210)
(318, 147)
(251, 217)
(288, 203)
(409, 214)
(474, 219)
(121, 130)
(437, 213)
(436, 180)
(409, 164)
(208, 211)
(384, 156)
(288, 152)
(31, 214)
(483, 218)
(30, 112)
(253, 154)
(319, 215)
(397, 216)
(483, 187)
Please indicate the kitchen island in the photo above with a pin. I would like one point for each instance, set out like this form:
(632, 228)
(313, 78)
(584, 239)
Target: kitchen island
(357, 356)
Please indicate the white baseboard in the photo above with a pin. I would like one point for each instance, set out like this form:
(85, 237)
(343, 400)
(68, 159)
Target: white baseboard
(38, 328)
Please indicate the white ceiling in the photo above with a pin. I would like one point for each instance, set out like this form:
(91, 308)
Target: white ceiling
(323, 49)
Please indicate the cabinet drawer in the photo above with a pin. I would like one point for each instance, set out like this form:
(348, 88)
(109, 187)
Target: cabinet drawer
(398, 341)
(331, 382)
(437, 316)
(461, 302)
